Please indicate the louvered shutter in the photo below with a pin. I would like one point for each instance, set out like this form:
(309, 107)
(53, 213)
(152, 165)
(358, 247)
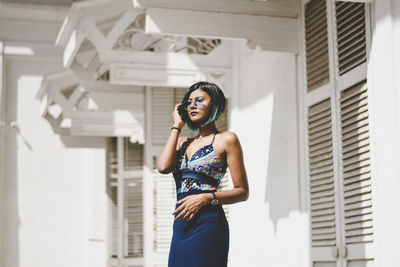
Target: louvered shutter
(161, 119)
(339, 168)
(356, 188)
(133, 198)
(356, 174)
(321, 168)
(164, 196)
(164, 205)
(316, 41)
(132, 242)
(322, 186)
(322, 193)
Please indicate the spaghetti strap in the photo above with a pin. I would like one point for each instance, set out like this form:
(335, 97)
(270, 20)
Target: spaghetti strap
(213, 138)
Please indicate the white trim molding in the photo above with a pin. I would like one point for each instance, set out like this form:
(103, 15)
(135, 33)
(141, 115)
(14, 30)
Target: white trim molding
(279, 34)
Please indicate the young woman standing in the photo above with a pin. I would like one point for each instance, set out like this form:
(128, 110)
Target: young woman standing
(200, 232)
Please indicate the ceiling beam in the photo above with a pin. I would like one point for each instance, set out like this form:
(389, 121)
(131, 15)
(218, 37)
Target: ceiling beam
(274, 8)
(270, 33)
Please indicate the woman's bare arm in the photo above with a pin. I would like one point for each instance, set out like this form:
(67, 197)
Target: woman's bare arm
(234, 158)
(167, 159)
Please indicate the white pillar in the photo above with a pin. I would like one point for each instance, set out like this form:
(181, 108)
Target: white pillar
(2, 136)
(384, 101)
(148, 219)
(120, 200)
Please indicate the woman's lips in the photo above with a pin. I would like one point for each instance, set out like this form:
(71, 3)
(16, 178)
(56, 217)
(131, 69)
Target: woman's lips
(193, 113)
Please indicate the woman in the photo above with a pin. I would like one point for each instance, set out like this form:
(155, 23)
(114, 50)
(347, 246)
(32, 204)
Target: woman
(200, 233)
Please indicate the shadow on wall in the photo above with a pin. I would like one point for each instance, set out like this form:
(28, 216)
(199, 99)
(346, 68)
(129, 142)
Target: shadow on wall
(282, 188)
(270, 98)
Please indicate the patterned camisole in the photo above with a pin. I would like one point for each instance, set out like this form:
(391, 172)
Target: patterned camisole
(203, 171)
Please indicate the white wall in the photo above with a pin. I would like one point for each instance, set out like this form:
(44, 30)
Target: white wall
(54, 199)
(269, 229)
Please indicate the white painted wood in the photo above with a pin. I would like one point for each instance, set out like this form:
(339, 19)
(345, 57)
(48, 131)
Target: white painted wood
(357, 74)
(28, 31)
(102, 123)
(276, 8)
(72, 47)
(168, 60)
(40, 13)
(120, 201)
(2, 150)
(148, 203)
(318, 95)
(279, 34)
(150, 76)
(99, 10)
(126, 19)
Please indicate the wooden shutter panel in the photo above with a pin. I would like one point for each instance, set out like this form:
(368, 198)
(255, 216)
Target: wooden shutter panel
(162, 107)
(164, 205)
(114, 221)
(316, 39)
(351, 35)
(133, 198)
(133, 216)
(322, 193)
(356, 165)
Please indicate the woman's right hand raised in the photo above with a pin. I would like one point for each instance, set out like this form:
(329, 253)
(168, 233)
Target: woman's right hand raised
(178, 122)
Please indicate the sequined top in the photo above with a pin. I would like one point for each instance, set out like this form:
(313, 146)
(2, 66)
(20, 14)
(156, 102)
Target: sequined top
(203, 171)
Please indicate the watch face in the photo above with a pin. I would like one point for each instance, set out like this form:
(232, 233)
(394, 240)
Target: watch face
(214, 202)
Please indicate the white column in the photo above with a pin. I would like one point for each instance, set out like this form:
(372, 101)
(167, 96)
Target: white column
(148, 219)
(2, 136)
(385, 131)
(120, 200)
(98, 208)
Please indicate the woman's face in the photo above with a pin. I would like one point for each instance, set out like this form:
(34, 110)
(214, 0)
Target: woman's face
(199, 107)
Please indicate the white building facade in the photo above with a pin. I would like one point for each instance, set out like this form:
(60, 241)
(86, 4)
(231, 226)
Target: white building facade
(87, 92)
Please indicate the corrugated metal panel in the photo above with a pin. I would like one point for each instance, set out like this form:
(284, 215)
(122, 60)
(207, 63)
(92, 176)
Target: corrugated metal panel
(316, 37)
(356, 165)
(351, 36)
(322, 193)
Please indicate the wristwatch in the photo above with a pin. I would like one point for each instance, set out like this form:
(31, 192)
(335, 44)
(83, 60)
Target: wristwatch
(214, 200)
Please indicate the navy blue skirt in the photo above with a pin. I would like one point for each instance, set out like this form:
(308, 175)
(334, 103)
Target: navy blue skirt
(202, 242)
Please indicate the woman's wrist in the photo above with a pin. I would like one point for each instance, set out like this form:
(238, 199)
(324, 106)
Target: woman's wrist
(177, 125)
(207, 198)
(176, 128)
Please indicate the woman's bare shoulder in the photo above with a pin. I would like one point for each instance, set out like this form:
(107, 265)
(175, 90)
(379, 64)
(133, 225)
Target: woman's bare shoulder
(229, 137)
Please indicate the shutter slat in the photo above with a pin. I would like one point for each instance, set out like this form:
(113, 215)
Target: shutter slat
(323, 157)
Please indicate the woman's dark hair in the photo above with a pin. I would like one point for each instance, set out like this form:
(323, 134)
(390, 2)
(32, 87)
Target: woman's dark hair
(218, 103)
